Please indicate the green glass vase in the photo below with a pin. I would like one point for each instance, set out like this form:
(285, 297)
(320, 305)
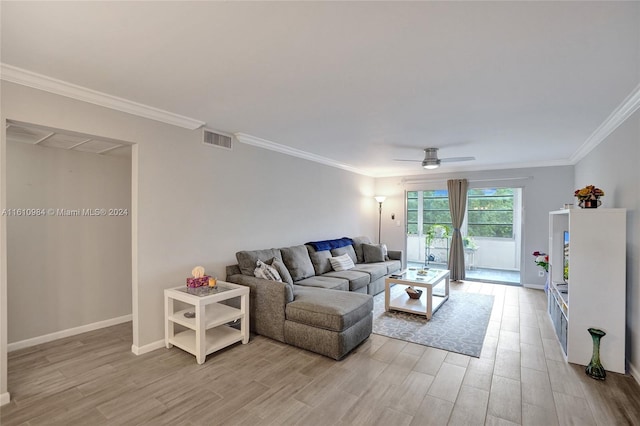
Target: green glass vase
(595, 369)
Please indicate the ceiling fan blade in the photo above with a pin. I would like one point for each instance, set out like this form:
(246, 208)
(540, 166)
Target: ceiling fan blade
(456, 159)
(413, 161)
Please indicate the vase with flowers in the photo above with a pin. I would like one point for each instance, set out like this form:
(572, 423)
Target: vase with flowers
(589, 197)
(542, 260)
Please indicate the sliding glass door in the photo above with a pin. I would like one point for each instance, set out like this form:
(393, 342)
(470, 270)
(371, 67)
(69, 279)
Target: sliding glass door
(491, 232)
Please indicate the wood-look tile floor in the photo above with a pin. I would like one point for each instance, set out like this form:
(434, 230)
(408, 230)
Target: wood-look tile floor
(520, 378)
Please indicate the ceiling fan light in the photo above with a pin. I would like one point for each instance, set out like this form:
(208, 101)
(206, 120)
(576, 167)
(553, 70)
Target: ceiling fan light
(431, 163)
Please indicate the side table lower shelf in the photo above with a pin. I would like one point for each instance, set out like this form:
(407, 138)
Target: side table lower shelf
(215, 339)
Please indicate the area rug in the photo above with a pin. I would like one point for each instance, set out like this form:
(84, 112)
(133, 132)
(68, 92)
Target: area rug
(458, 326)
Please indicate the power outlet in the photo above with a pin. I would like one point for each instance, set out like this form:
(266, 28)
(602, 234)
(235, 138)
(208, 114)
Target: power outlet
(541, 273)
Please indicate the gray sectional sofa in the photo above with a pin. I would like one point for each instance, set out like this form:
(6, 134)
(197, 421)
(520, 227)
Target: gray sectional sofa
(315, 307)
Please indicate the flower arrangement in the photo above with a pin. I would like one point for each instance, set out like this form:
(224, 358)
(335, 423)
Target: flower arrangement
(542, 260)
(589, 192)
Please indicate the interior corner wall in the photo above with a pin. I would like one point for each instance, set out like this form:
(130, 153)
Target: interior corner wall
(199, 205)
(613, 166)
(4, 392)
(66, 268)
(544, 189)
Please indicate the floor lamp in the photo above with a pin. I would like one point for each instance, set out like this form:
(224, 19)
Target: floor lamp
(380, 199)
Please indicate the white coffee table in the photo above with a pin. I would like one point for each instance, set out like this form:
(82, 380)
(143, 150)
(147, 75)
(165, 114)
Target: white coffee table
(428, 302)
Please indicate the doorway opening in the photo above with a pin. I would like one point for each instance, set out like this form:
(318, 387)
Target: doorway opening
(491, 232)
(69, 233)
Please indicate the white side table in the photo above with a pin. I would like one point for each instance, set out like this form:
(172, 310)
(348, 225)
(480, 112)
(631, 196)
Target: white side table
(207, 332)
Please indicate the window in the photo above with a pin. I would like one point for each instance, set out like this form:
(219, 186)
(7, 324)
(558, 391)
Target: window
(490, 212)
(435, 209)
(412, 212)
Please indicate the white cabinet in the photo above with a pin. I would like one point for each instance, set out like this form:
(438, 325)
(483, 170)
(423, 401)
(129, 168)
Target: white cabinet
(206, 319)
(595, 290)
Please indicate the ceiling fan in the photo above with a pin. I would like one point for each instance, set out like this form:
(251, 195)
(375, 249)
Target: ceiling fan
(431, 160)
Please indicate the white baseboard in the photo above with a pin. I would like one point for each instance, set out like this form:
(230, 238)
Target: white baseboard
(4, 398)
(66, 333)
(635, 373)
(141, 350)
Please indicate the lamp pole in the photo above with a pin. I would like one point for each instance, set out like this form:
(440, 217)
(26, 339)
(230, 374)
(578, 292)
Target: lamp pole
(380, 199)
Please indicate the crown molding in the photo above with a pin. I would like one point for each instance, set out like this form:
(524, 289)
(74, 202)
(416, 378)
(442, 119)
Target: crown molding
(272, 146)
(615, 119)
(69, 90)
(468, 168)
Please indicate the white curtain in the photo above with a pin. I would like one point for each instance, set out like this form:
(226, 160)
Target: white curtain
(457, 207)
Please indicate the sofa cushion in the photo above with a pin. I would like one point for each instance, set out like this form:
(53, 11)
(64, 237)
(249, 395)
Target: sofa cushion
(356, 279)
(297, 261)
(393, 266)
(320, 260)
(341, 263)
(357, 247)
(376, 270)
(373, 253)
(328, 309)
(282, 270)
(346, 249)
(332, 283)
(266, 271)
(247, 259)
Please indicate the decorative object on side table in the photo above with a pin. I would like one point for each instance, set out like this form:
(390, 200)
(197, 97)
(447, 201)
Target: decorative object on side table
(595, 369)
(589, 197)
(198, 278)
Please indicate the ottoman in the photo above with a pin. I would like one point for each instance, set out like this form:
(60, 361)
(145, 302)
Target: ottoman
(329, 322)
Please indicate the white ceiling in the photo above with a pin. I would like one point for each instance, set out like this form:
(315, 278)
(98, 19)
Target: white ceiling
(512, 83)
(72, 141)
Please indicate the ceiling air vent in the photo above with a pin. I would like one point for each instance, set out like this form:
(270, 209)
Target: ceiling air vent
(215, 138)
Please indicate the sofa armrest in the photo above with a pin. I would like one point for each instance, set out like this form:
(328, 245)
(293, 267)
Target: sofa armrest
(396, 255)
(267, 302)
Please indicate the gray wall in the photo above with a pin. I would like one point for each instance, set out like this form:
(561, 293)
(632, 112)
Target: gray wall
(198, 205)
(613, 166)
(66, 272)
(544, 189)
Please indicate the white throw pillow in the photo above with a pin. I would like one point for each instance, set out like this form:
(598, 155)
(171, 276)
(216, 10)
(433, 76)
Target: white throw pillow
(266, 271)
(341, 263)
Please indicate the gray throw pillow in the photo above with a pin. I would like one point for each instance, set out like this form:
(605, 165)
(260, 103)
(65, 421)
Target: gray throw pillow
(297, 261)
(373, 253)
(282, 270)
(247, 259)
(320, 260)
(357, 246)
(348, 250)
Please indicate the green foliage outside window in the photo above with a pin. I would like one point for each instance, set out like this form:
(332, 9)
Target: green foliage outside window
(412, 212)
(435, 210)
(489, 211)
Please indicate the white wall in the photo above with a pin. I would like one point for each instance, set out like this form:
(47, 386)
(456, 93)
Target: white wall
(544, 189)
(198, 205)
(613, 167)
(66, 272)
